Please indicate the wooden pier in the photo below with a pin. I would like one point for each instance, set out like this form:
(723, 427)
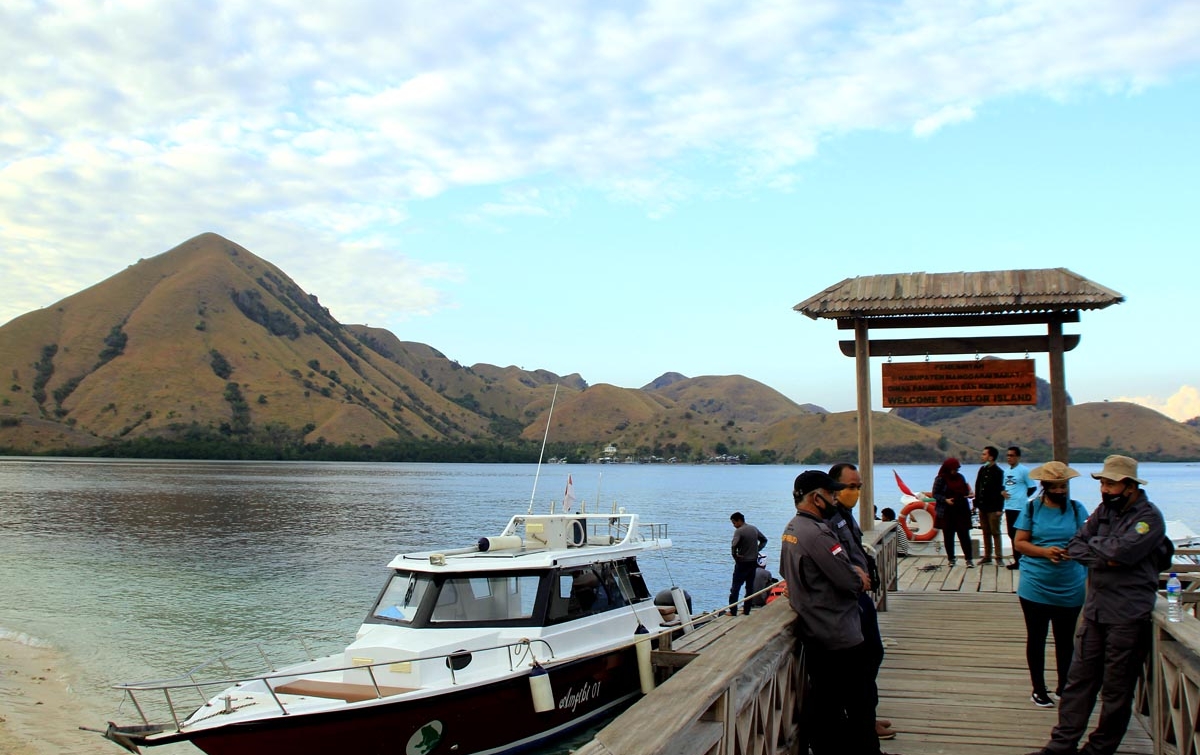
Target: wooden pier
(954, 679)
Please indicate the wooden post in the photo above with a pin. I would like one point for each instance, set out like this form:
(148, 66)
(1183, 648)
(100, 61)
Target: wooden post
(866, 455)
(1059, 432)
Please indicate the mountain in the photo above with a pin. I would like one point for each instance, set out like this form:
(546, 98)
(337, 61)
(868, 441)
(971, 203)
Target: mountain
(209, 337)
(208, 341)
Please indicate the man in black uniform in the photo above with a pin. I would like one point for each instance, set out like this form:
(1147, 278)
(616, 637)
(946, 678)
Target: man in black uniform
(989, 502)
(845, 527)
(823, 589)
(1122, 544)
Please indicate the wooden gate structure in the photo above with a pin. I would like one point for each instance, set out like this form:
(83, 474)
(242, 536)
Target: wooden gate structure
(1049, 297)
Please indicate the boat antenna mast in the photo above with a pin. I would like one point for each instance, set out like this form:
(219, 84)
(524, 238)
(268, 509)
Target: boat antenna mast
(546, 435)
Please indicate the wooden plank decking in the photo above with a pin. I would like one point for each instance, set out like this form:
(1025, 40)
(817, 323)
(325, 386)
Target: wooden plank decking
(954, 679)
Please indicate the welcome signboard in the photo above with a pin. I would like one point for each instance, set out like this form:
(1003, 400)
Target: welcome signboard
(982, 382)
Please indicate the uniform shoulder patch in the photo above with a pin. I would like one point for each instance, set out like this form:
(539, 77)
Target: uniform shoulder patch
(836, 549)
(1142, 528)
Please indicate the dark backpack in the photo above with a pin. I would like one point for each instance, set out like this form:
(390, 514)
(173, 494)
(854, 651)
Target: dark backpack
(1165, 557)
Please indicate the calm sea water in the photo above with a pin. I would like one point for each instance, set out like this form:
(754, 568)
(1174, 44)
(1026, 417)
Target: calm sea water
(140, 569)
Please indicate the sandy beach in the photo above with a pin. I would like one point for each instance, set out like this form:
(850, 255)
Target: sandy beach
(40, 713)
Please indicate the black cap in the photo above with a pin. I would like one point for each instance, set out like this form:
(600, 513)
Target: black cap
(814, 479)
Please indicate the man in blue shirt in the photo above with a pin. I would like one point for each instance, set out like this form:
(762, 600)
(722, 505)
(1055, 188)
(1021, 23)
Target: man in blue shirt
(1017, 489)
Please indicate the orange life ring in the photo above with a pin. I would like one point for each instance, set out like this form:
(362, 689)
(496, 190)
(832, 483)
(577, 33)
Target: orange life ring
(923, 509)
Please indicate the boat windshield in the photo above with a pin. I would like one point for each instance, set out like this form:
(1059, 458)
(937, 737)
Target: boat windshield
(402, 597)
(460, 599)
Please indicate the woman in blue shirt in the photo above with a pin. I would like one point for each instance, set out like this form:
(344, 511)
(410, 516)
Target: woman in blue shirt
(1052, 586)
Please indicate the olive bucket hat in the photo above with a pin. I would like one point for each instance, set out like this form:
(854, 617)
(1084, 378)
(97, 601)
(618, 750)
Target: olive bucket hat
(1117, 468)
(1053, 471)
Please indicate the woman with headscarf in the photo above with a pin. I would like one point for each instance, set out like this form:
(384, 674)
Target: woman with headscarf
(1052, 586)
(953, 508)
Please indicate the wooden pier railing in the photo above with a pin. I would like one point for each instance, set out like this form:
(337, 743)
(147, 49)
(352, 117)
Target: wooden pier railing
(1170, 703)
(733, 689)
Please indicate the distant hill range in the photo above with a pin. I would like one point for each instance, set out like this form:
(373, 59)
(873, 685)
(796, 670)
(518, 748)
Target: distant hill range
(209, 344)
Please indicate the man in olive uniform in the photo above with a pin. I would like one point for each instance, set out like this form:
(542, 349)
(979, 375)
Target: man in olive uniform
(823, 589)
(1122, 544)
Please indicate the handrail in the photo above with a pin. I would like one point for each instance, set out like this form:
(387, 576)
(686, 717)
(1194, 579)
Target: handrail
(517, 651)
(1165, 700)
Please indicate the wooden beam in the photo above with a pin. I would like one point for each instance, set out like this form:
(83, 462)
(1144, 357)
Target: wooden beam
(959, 321)
(907, 347)
(866, 456)
(1059, 429)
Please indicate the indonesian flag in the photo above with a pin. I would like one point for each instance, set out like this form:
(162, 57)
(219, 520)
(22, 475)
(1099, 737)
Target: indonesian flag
(900, 484)
(568, 496)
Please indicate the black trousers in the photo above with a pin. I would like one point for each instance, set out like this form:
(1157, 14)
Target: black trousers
(957, 521)
(839, 711)
(1108, 661)
(1010, 521)
(874, 645)
(1039, 617)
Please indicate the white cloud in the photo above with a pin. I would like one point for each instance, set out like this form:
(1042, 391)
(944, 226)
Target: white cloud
(1182, 406)
(947, 116)
(130, 126)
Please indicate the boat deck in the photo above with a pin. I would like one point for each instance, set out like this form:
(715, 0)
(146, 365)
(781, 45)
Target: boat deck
(954, 678)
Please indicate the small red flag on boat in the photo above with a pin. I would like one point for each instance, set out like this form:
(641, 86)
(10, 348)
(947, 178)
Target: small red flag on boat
(903, 488)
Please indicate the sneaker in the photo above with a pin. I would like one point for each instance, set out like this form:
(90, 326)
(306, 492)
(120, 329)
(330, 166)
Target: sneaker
(1041, 699)
(951, 562)
(1056, 695)
(985, 560)
(970, 564)
(1014, 565)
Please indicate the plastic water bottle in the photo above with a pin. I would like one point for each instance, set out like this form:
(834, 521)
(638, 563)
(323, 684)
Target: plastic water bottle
(1174, 606)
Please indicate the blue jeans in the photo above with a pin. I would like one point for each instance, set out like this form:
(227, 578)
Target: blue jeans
(743, 574)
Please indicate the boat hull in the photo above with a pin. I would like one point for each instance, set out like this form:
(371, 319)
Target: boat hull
(492, 718)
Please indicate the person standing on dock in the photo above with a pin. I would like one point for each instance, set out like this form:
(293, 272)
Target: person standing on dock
(989, 502)
(953, 496)
(1122, 544)
(1052, 586)
(823, 590)
(1017, 490)
(747, 542)
(845, 526)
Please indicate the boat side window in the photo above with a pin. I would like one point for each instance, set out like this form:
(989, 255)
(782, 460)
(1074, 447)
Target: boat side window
(583, 591)
(486, 599)
(402, 596)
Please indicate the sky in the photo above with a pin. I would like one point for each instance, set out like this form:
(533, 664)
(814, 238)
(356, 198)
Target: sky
(623, 189)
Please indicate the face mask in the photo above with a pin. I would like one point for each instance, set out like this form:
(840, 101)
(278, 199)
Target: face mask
(848, 497)
(1058, 498)
(825, 506)
(1112, 500)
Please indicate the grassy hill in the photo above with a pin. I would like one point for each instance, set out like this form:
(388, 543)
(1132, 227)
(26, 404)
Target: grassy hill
(208, 342)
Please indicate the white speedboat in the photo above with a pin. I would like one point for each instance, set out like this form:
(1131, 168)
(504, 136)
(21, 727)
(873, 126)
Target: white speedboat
(490, 648)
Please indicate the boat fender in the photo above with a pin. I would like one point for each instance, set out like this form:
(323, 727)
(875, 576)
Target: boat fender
(645, 668)
(922, 516)
(539, 687)
(502, 543)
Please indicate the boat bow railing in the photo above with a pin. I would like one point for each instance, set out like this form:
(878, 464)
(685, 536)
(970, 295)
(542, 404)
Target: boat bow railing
(519, 653)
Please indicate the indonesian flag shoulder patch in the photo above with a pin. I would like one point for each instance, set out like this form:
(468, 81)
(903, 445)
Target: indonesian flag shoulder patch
(836, 549)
